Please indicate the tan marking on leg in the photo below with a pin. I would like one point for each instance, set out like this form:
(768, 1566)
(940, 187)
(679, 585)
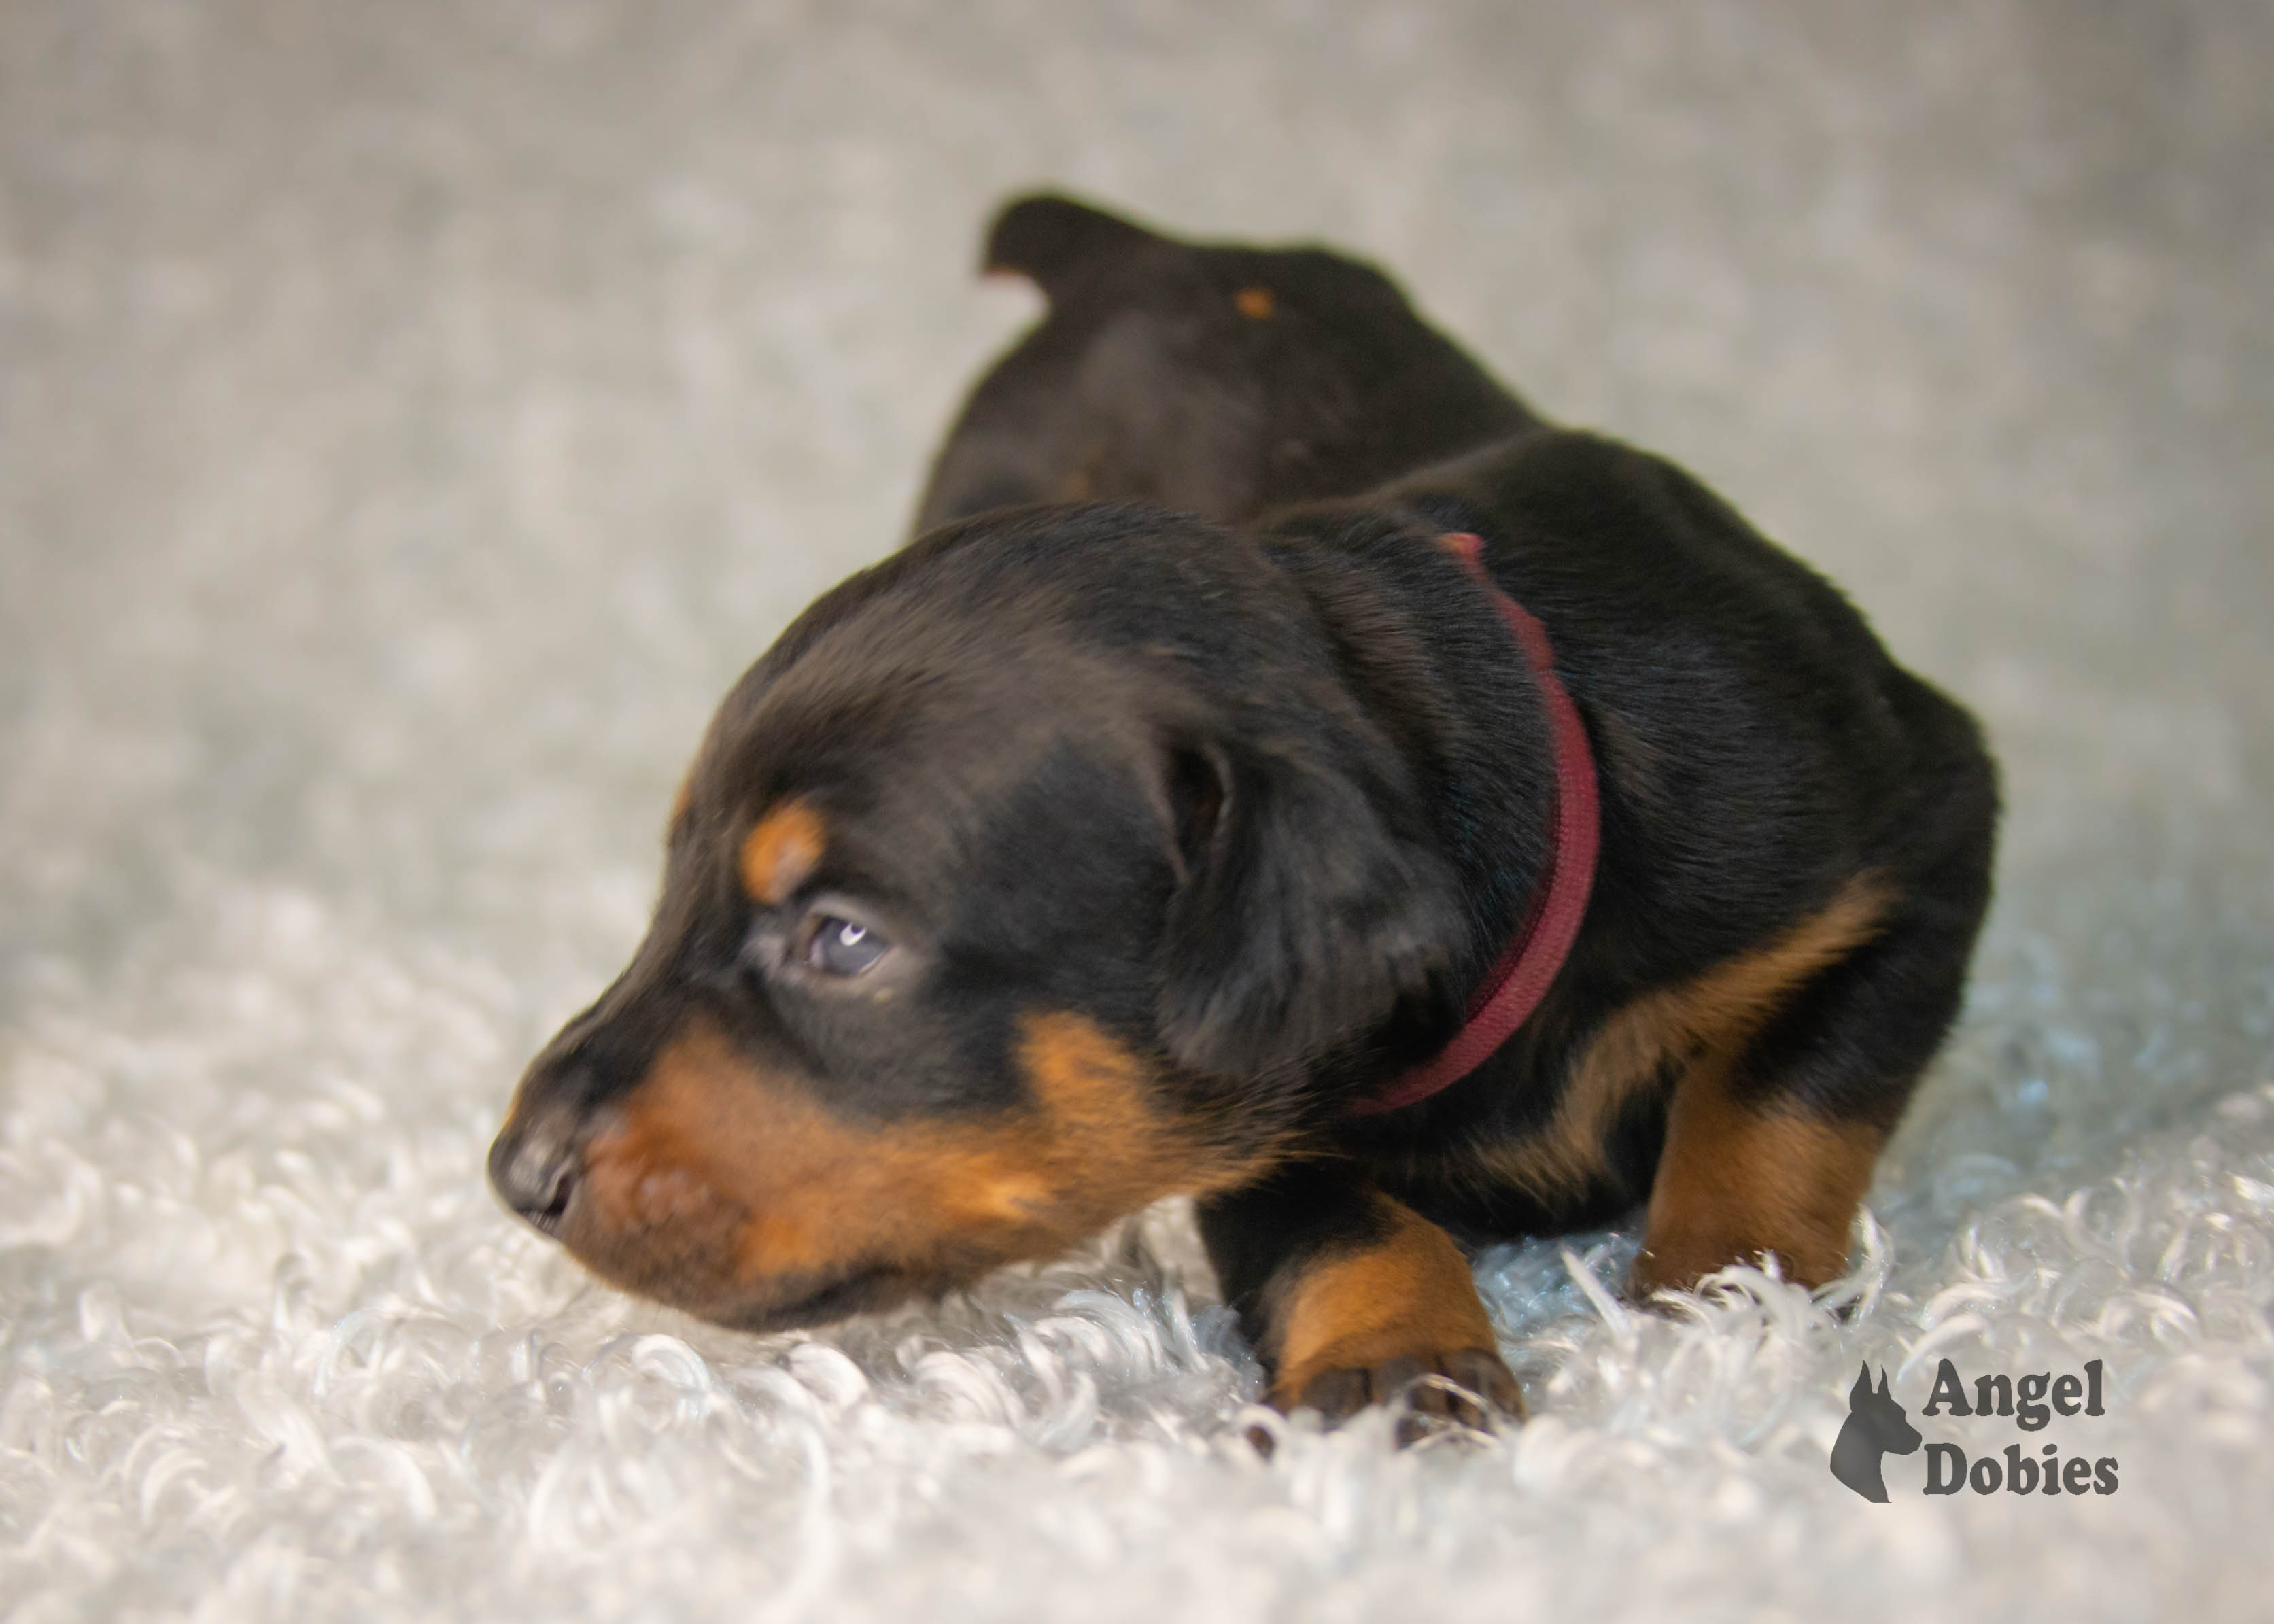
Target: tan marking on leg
(1080, 484)
(1735, 1181)
(1256, 304)
(1713, 1013)
(781, 853)
(1407, 1295)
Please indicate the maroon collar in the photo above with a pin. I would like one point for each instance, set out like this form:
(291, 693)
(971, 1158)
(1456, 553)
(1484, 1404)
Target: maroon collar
(1520, 978)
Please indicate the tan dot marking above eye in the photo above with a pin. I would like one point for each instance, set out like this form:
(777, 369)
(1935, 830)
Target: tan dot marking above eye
(781, 853)
(1255, 303)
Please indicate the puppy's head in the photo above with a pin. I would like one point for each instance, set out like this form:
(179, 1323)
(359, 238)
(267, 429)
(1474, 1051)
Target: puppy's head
(1021, 883)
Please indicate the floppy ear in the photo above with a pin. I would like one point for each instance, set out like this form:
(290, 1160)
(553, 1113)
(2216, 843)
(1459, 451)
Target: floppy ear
(1303, 913)
(1055, 241)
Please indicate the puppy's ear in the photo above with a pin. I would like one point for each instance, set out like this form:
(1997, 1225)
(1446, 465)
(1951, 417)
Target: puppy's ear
(1056, 242)
(1303, 913)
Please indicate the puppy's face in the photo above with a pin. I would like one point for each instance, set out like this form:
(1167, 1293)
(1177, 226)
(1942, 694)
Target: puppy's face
(935, 981)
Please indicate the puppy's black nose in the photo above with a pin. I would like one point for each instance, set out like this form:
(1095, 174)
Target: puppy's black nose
(533, 1167)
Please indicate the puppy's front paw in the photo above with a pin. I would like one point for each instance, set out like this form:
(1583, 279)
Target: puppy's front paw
(1391, 1310)
(1464, 1387)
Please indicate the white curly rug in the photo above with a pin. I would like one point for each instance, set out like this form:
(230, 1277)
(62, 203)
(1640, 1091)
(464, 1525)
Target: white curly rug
(412, 416)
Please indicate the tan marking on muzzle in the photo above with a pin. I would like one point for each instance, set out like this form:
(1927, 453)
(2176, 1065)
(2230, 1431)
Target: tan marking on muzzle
(811, 1195)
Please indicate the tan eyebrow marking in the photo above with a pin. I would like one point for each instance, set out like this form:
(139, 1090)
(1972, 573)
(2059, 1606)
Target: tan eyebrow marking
(781, 853)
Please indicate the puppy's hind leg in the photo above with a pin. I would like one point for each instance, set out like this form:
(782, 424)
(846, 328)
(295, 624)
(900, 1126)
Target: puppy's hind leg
(1771, 1139)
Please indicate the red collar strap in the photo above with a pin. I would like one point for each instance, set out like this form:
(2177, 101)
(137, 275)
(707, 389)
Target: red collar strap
(1520, 978)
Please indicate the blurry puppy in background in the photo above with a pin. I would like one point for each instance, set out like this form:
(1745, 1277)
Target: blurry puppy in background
(1286, 771)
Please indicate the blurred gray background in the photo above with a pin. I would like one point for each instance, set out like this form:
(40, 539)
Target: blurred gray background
(413, 414)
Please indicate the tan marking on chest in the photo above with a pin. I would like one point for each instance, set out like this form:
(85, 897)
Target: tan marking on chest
(1714, 1013)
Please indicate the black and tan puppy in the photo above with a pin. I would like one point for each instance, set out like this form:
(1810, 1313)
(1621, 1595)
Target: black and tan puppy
(1287, 772)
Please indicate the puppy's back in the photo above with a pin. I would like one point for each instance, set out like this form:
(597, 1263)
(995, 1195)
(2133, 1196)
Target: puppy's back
(1221, 381)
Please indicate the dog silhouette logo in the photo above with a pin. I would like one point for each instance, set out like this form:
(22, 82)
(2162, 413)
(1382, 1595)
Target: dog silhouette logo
(1876, 1426)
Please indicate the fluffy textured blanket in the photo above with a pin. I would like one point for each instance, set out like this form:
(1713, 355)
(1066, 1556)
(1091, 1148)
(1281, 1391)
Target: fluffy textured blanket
(412, 415)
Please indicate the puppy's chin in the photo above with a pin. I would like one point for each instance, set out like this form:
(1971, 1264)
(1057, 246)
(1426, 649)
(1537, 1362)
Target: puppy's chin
(790, 1301)
(861, 1291)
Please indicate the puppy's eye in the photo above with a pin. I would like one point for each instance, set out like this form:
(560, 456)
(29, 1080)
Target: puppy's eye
(836, 946)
